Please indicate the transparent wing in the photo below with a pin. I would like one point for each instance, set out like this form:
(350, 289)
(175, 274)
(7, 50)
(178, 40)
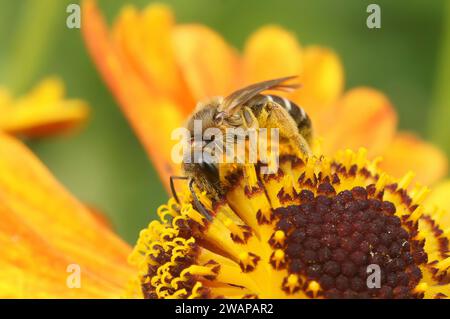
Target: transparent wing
(237, 98)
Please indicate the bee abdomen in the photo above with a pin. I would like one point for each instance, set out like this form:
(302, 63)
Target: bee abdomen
(299, 115)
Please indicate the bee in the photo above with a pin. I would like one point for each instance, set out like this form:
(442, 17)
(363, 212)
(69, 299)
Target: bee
(246, 108)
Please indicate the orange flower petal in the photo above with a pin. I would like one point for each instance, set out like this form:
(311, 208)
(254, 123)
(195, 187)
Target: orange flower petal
(407, 152)
(271, 52)
(363, 117)
(43, 111)
(44, 229)
(208, 64)
(31, 267)
(322, 81)
(144, 39)
(99, 215)
(153, 117)
(440, 198)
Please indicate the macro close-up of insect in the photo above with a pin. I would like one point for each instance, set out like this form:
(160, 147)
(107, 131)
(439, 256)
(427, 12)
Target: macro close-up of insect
(250, 109)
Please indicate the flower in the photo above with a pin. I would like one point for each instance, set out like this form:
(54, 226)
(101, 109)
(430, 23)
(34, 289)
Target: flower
(309, 231)
(41, 112)
(158, 69)
(245, 249)
(44, 229)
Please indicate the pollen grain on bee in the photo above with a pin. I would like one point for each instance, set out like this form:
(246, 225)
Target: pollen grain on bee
(232, 145)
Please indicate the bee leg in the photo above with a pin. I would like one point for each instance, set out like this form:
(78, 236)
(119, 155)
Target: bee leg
(198, 205)
(279, 118)
(172, 186)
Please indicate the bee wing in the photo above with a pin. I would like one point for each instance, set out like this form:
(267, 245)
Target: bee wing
(237, 98)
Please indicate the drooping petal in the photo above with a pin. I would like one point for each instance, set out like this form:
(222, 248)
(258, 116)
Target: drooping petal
(271, 52)
(152, 116)
(44, 230)
(363, 117)
(407, 152)
(43, 111)
(209, 65)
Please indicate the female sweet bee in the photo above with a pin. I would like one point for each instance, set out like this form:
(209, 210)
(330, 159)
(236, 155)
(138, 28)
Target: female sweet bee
(248, 108)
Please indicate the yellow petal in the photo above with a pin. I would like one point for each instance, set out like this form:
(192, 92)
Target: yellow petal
(271, 52)
(208, 64)
(43, 111)
(322, 81)
(408, 153)
(363, 117)
(440, 198)
(152, 116)
(44, 229)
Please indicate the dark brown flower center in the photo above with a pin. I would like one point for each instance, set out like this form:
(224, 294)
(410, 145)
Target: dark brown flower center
(333, 239)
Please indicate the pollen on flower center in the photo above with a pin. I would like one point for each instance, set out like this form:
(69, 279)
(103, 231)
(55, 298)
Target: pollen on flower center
(332, 239)
(309, 231)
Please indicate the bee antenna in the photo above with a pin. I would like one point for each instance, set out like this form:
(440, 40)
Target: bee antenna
(197, 202)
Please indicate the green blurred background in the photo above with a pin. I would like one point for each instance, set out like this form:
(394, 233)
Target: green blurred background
(104, 165)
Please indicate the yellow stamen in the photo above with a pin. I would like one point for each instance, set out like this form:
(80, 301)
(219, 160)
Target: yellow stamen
(314, 287)
(419, 196)
(310, 168)
(279, 237)
(292, 283)
(198, 270)
(189, 211)
(278, 258)
(443, 264)
(420, 288)
(250, 175)
(361, 157)
(416, 214)
(247, 261)
(288, 185)
(195, 291)
(234, 229)
(325, 167)
(348, 157)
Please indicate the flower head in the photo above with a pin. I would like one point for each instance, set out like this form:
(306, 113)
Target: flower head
(262, 238)
(311, 230)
